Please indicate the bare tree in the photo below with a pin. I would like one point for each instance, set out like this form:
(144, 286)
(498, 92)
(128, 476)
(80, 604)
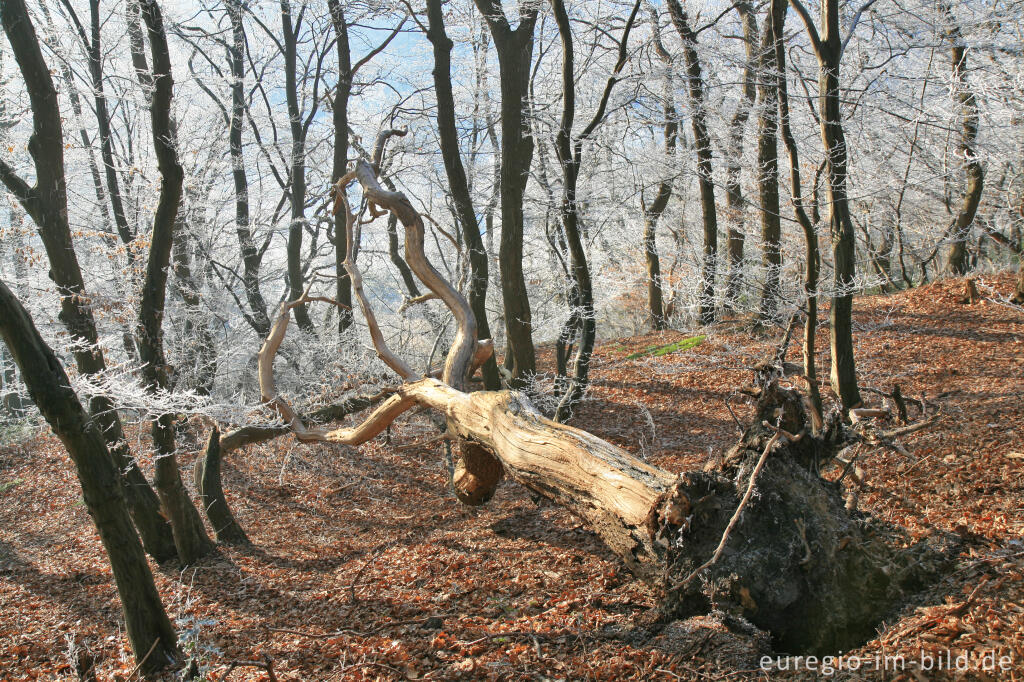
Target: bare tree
(457, 181)
(967, 104)
(50, 35)
(768, 175)
(828, 48)
(299, 123)
(664, 527)
(251, 256)
(515, 52)
(569, 147)
(702, 141)
(342, 93)
(153, 640)
(190, 537)
(91, 44)
(734, 162)
(653, 211)
(776, 25)
(47, 204)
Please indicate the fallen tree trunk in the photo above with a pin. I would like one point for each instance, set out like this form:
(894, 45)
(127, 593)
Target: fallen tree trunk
(796, 563)
(760, 535)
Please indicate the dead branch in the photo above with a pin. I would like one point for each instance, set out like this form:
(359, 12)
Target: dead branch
(447, 235)
(861, 413)
(790, 437)
(266, 664)
(460, 356)
(359, 633)
(410, 302)
(250, 435)
(382, 140)
(903, 431)
(899, 401)
(352, 236)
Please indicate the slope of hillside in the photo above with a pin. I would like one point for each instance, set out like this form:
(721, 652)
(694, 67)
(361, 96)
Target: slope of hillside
(365, 567)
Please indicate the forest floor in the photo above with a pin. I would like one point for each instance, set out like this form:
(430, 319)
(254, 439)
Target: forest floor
(364, 567)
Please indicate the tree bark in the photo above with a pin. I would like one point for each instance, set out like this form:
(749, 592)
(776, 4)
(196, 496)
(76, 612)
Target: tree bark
(457, 182)
(967, 103)
(570, 157)
(190, 537)
(813, 259)
(211, 494)
(768, 177)
(829, 49)
(76, 108)
(653, 212)
(737, 126)
(146, 621)
(702, 140)
(342, 93)
(251, 256)
(47, 205)
(297, 164)
(515, 54)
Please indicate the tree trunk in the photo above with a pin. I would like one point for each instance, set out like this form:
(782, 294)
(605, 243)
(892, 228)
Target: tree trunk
(515, 54)
(829, 49)
(457, 182)
(76, 108)
(47, 204)
(844, 373)
(103, 123)
(813, 260)
(12, 401)
(146, 621)
(343, 288)
(655, 294)
(10, 395)
(190, 537)
(967, 104)
(768, 177)
(733, 185)
(211, 494)
(664, 527)
(705, 179)
(251, 256)
(199, 344)
(653, 212)
(297, 165)
(570, 153)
